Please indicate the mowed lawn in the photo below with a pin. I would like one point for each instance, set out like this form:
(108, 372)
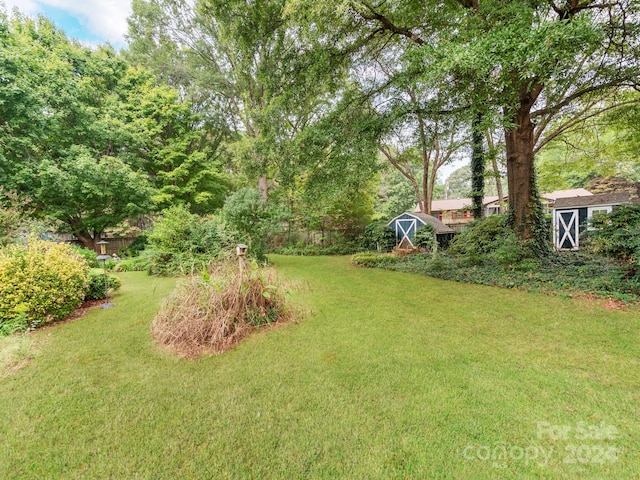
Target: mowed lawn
(385, 375)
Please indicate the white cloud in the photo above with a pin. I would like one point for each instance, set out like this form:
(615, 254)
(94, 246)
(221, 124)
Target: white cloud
(25, 6)
(103, 18)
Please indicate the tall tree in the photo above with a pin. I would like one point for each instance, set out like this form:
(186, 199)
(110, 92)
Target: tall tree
(235, 59)
(524, 61)
(62, 104)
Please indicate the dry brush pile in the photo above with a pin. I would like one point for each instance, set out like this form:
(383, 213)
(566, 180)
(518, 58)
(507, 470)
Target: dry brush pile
(212, 312)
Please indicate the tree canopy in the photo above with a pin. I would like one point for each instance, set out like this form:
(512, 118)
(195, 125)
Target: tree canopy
(91, 140)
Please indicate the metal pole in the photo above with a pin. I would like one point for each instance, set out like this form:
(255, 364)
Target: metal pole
(106, 283)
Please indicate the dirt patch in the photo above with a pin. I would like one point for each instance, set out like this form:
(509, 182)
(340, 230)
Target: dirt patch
(608, 303)
(614, 304)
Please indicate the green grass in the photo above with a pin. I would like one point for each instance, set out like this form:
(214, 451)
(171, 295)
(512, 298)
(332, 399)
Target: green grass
(389, 375)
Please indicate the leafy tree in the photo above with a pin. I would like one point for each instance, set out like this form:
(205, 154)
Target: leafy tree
(70, 113)
(379, 236)
(247, 213)
(458, 183)
(182, 242)
(395, 194)
(234, 59)
(89, 195)
(520, 63)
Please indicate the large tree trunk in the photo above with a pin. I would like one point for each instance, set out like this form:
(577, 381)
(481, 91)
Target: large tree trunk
(477, 168)
(264, 188)
(523, 198)
(426, 191)
(493, 155)
(87, 240)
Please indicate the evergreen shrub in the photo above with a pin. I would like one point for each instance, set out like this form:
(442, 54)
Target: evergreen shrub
(40, 281)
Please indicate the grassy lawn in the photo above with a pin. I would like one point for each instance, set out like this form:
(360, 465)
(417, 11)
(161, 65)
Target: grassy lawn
(389, 375)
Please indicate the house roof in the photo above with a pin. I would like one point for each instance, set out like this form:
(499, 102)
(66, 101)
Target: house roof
(462, 203)
(457, 203)
(593, 200)
(575, 192)
(437, 225)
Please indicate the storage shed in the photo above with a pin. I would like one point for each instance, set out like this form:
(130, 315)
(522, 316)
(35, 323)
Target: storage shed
(571, 216)
(407, 224)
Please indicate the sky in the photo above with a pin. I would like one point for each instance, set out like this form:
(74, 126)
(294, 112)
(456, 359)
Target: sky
(92, 22)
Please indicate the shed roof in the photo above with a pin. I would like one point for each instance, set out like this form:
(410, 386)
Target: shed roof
(437, 225)
(593, 200)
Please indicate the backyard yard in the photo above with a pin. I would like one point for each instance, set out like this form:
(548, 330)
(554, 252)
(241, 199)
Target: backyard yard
(382, 375)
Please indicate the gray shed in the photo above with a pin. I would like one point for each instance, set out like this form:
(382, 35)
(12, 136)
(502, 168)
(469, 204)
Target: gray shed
(571, 216)
(407, 224)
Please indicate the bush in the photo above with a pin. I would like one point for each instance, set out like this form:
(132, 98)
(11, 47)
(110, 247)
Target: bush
(254, 221)
(135, 248)
(133, 264)
(212, 312)
(42, 281)
(379, 236)
(180, 242)
(96, 289)
(489, 241)
(480, 238)
(89, 256)
(618, 235)
(425, 238)
(370, 259)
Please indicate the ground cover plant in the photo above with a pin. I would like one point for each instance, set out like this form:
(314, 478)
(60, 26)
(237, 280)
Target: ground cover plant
(488, 253)
(390, 375)
(565, 273)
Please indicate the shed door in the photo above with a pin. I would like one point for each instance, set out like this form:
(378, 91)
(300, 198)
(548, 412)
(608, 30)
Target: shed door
(405, 230)
(567, 229)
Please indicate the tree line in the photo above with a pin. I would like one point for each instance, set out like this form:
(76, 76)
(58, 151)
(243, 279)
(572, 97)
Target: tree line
(307, 101)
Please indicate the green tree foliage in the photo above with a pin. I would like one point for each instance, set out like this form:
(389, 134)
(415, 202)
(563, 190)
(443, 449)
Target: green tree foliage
(91, 140)
(618, 235)
(395, 195)
(379, 236)
(600, 148)
(88, 195)
(425, 238)
(519, 63)
(247, 213)
(234, 59)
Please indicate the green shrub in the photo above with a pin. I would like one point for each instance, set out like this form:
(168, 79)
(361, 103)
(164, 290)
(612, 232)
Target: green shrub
(180, 242)
(96, 289)
(13, 325)
(507, 250)
(370, 259)
(135, 248)
(254, 221)
(618, 235)
(480, 238)
(41, 280)
(425, 238)
(490, 241)
(132, 264)
(379, 236)
(90, 256)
